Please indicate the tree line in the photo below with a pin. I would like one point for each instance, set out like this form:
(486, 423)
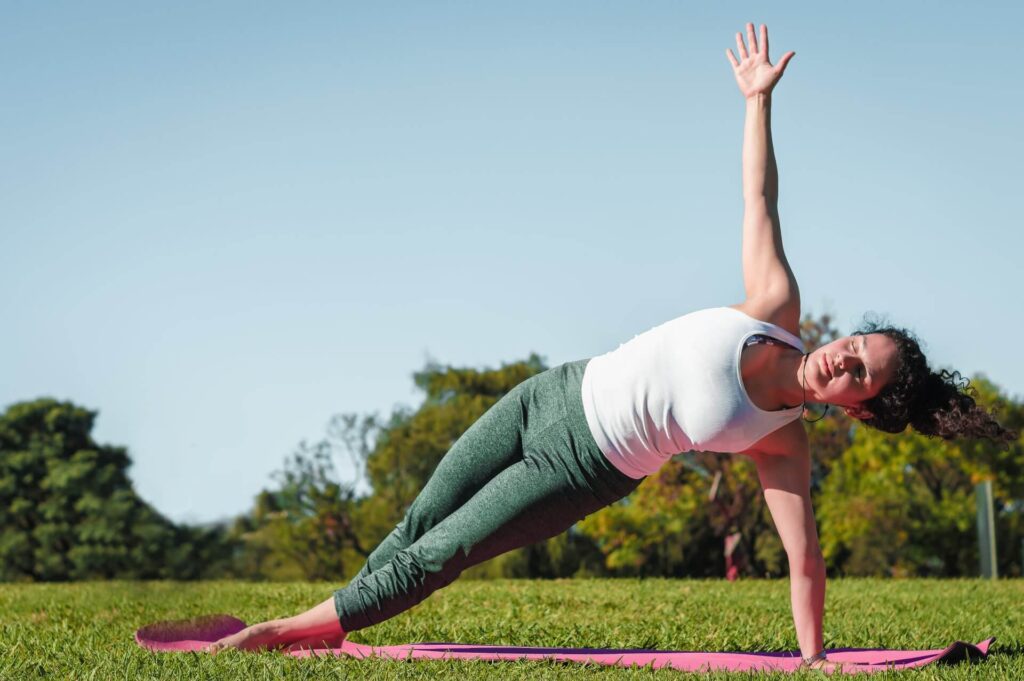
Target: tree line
(886, 505)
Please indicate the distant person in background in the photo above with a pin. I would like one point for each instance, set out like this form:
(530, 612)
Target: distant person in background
(580, 436)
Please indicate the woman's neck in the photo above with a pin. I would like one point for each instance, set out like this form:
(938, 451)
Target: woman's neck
(772, 376)
(786, 375)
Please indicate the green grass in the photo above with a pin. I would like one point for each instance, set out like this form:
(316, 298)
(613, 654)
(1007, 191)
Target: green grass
(84, 631)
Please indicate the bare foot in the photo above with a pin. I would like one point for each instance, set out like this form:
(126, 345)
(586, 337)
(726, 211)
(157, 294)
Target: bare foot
(257, 637)
(318, 643)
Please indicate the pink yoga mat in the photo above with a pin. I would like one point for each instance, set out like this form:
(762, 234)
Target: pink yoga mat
(195, 634)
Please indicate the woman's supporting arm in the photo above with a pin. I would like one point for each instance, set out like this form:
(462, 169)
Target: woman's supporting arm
(786, 480)
(786, 483)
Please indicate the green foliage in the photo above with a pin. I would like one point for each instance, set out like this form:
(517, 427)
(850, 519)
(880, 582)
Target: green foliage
(68, 510)
(303, 529)
(904, 504)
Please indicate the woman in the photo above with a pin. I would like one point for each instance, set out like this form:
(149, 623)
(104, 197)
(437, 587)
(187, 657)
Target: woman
(580, 436)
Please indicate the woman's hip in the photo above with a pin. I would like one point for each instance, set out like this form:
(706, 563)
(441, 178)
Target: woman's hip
(557, 433)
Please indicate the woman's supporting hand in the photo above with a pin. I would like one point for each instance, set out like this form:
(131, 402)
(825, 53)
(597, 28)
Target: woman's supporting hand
(754, 73)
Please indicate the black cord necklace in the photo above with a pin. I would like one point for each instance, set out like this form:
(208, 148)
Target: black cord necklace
(803, 406)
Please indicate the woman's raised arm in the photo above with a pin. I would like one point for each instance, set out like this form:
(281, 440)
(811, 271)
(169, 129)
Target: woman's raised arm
(770, 286)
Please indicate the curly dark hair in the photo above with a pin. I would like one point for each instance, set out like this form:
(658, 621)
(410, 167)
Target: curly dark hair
(937, 404)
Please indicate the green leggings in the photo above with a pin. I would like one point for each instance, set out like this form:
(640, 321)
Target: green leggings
(527, 470)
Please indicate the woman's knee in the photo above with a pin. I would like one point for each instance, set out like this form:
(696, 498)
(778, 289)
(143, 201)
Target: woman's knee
(423, 515)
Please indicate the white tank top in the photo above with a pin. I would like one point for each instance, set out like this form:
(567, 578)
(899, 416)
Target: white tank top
(678, 388)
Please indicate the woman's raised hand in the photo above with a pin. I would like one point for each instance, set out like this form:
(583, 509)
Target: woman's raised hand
(754, 73)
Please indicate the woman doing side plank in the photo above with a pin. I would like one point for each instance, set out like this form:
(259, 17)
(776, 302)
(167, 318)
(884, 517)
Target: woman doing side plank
(582, 435)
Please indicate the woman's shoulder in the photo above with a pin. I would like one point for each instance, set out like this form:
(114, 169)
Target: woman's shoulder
(784, 315)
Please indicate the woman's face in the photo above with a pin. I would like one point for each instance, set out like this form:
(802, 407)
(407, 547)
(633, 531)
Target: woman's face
(849, 371)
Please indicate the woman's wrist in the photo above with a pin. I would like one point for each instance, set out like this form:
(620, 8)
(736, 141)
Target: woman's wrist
(813, 660)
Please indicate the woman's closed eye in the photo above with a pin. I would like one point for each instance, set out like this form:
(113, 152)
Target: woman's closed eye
(860, 372)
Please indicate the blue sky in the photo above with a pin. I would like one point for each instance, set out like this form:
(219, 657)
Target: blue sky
(221, 223)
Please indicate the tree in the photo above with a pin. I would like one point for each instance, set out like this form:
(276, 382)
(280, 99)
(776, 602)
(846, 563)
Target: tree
(68, 509)
(303, 529)
(904, 504)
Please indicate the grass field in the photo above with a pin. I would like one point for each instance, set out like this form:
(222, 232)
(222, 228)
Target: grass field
(84, 631)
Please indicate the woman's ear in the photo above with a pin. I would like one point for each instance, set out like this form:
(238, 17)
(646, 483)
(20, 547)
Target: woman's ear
(858, 412)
